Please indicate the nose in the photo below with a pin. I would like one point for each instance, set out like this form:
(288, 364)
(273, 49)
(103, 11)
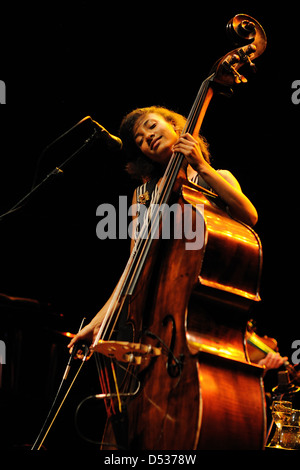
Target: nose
(149, 138)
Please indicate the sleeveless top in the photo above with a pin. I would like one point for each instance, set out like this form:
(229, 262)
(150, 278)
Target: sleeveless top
(146, 194)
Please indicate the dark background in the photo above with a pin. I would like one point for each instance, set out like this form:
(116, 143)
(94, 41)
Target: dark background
(63, 62)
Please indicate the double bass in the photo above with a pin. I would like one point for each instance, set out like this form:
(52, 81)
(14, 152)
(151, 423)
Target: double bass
(175, 374)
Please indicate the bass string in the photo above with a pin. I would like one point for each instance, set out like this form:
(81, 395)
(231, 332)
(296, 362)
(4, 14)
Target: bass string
(134, 258)
(190, 125)
(143, 242)
(175, 163)
(115, 301)
(192, 120)
(138, 252)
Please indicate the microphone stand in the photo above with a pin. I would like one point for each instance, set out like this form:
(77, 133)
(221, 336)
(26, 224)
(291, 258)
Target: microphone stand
(56, 171)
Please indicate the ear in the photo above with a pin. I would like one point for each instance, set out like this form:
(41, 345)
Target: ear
(175, 126)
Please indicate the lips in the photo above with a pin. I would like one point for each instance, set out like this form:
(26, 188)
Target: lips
(155, 143)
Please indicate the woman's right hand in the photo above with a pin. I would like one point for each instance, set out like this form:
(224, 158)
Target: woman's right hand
(90, 331)
(88, 334)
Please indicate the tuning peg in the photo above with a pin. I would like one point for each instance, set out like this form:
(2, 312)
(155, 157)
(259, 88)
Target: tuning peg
(244, 55)
(251, 48)
(229, 63)
(233, 59)
(238, 78)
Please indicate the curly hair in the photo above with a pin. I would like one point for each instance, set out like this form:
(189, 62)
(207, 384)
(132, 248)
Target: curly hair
(139, 166)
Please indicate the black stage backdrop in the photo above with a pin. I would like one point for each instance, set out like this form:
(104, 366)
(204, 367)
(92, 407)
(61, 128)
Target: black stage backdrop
(63, 62)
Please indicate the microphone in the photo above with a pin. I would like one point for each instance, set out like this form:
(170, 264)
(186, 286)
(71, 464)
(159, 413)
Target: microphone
(115, 143)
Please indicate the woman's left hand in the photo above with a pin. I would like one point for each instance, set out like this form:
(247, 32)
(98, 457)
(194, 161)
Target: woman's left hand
(190, 148)
(239, 206)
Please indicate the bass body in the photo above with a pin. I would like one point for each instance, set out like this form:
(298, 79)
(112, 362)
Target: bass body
(201, 392)
(195, 388)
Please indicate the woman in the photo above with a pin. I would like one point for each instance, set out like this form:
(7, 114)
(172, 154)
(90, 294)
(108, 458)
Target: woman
(151, 135)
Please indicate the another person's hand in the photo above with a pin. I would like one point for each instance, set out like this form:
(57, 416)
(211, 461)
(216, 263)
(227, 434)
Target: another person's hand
(272, 361)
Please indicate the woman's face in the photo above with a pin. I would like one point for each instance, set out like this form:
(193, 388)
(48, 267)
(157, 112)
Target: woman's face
(155, 137)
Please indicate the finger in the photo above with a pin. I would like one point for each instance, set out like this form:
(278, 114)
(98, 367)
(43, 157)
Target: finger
(275, 361)
(183, 147)
(189, 137)
(74, 340)
(185, 140)
(71, 343)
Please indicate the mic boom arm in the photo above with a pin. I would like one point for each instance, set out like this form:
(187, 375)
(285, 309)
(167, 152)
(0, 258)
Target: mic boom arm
(113, 142)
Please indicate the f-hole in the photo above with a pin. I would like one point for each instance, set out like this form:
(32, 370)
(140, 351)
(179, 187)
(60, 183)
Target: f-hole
(173, 365)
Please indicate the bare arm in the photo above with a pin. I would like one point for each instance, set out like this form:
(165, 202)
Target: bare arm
(224, 184)
(228, 188)
(90, 331)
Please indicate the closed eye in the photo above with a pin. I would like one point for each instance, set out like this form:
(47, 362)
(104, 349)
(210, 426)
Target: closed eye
(150, 125)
